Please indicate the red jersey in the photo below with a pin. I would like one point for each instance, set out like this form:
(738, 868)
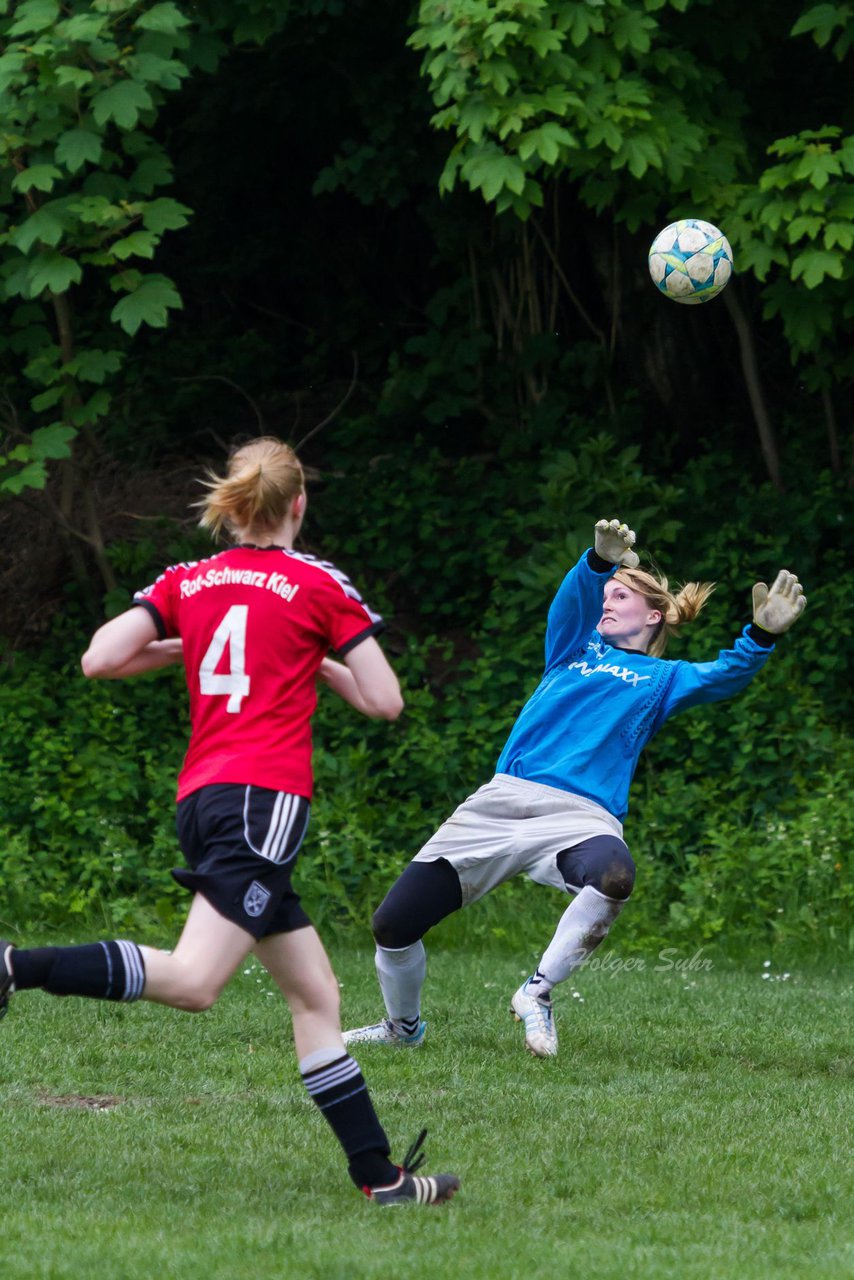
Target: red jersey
(255, 624)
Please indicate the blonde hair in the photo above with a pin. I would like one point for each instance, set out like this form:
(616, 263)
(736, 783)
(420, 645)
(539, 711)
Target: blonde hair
(675, 609)
(262, 479)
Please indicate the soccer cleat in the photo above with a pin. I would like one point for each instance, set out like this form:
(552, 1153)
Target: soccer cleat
(385, 1032)
(538, 1017)
(7, 985)
(433, 1188)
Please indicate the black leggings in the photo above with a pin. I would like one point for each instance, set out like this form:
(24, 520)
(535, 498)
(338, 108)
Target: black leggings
(426, 892)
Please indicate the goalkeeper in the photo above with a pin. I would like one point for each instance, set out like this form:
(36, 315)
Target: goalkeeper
(555, 808)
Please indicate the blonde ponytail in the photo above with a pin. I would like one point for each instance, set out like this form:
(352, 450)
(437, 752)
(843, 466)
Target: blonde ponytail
(262, 480)
(675, 610)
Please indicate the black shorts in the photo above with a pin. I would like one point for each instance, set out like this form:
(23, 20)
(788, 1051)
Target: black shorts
(241, 844)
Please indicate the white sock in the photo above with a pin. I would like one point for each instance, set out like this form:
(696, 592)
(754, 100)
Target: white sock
(580, 929)
(321, 1058)
(401, 975)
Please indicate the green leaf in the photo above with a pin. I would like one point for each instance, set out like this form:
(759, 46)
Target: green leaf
(490, 170)
(140, 244)
(818, 165)
(163, 17)
(631, 30)
(13, 69)
(54, 271)
(77, 77)
(40, 176)
(121, 103)
(166, 72)
(476, 115)
(639, 154)
(154, 171)
(94, 365)
(34, 15)
(604, 130)
(47, 399)
(821, 20)
(814, 264)
(97, 210)
(82, 27)
(841, 233)
(808, 225)
(33, 476)
(77, 147)
(164, 214)
(545, 142)
(149, 303)
(544, 41)
(43, 226)
(52, 441)
(95, 407)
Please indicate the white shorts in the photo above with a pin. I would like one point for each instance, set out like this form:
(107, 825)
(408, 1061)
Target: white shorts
(511, 826)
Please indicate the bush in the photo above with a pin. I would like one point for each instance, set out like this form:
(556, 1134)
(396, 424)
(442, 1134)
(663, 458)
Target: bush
(735, 822)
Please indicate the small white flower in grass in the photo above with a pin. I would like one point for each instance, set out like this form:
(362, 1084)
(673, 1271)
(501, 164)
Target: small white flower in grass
(766, 964)
(766, 975)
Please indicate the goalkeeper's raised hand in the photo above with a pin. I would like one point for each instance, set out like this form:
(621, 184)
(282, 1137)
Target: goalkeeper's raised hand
(778, 609)
(614, 541)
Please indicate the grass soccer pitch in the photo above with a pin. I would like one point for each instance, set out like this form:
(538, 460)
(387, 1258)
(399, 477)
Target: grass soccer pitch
(696, 1125)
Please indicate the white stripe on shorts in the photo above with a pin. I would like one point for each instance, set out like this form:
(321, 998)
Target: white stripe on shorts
(286, 809)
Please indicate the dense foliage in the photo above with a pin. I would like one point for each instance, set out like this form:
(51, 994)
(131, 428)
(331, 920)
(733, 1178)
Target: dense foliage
(414, 244)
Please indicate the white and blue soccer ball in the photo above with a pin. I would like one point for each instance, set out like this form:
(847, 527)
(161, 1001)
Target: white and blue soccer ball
(690, 261)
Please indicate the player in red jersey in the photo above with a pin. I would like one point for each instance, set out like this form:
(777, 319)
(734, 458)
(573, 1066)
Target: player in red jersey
(253, 626)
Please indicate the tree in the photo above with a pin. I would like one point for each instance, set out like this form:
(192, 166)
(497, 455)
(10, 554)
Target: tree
(622, 100)
(80, 90)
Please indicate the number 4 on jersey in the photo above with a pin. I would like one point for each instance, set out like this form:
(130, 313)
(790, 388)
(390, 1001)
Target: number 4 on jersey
(234, 682)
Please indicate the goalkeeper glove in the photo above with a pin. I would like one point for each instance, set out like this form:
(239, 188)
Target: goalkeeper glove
(778, 609)
(614, 541)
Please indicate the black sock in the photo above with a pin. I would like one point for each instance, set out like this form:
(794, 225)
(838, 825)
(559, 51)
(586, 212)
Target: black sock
(373, 1169)
(99, 970)
(340, 1092)
(536, 988)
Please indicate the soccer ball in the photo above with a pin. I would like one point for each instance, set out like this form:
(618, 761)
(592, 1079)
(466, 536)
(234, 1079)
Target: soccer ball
(690, 261)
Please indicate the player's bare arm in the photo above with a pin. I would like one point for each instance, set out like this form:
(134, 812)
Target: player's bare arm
(337, 677)
(374, 680)
(128, 646)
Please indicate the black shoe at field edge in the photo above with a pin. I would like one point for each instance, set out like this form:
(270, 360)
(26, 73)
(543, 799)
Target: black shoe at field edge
(434, 1188)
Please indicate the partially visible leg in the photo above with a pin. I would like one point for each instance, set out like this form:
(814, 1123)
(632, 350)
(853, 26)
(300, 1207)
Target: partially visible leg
(191, 977)
(300, 967)
(424, 894)
(207, 954)
(601, 873)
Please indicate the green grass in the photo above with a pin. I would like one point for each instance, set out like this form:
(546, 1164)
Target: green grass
(696, 1126)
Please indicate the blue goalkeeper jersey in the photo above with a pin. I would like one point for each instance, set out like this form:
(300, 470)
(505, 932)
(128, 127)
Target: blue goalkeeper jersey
(597, 707)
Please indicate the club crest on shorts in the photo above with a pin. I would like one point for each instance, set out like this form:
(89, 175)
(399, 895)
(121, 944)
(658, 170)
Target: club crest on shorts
(255, 899)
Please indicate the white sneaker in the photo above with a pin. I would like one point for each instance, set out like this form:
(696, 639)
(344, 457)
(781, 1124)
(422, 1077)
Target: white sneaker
(385, 1032)
(538, 1017)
